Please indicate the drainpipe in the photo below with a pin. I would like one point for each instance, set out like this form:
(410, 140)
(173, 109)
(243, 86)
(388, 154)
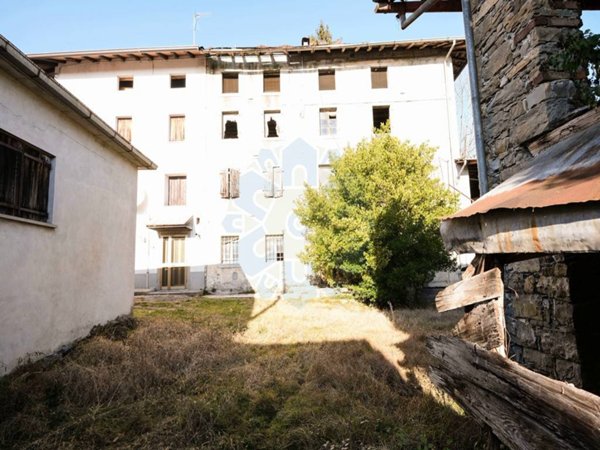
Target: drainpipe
(475, 100)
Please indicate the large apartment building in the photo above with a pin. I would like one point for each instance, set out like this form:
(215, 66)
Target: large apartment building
(238, 132)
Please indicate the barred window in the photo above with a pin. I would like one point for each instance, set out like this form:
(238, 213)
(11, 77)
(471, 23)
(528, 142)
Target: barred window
(24, 179)
(274, 247)
(328, 121)
(229, 249)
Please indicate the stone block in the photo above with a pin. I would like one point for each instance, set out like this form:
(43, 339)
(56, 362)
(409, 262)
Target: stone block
(538, 361)
(521, 332)
(568, 371)
(529, 285)
(557, 344)
(563, 314)
(528, 307)
(553, 287)
(528, 265)
(560, 270)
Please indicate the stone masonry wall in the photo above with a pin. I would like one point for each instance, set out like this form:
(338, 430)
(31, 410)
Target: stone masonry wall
(520, 97)
(540, 318)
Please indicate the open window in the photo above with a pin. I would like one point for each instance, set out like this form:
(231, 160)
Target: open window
(230, 83)
(272, 120)
(381, 114)
(271, 81)
(327, 80)
(274, 247)
(230, 183)
(176, 190)
(177, 81)
(379, 78)
(124, 127)
(230, 125)
(328, 121)
(177, 128)
(125, 83)
(24, 179)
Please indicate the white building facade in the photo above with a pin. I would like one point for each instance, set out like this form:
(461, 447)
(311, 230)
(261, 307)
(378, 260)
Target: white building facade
(68, 187)
(237, 133)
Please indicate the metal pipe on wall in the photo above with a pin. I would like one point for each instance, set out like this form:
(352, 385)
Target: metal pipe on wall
(475, 99)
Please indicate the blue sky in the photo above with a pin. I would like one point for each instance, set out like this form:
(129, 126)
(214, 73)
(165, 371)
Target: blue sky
(63, 25)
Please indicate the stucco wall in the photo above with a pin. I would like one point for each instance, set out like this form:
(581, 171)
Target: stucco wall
(420, 94)
(59, 282)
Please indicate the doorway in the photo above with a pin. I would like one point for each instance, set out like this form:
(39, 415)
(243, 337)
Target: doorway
(173, 270)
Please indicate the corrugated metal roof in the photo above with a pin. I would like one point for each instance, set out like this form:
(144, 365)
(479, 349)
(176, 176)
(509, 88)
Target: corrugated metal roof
(566, 173)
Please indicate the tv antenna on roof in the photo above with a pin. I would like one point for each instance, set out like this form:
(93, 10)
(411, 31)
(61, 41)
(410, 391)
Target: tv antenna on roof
(197, 16)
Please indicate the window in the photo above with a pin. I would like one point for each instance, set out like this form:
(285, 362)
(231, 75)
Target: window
(326, 80)
(274, 247)
(176, 187)
(273, 182)
(24, 179)
(177, 128)
(381, 114)
(271, 82)
(230, 183)
(172, 274)
(125, 83)
(379, 77)
(230, 126)
(328, 121)
(230, 83)
(124, 127)
(272, 124)
(473, 179)
(177, 81)
(324, 174)
(229, 249)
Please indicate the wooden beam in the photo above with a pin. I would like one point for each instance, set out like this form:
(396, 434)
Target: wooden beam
(412, 6)
(590, 5)
(524, 409)
(479, 288)
(483, 325)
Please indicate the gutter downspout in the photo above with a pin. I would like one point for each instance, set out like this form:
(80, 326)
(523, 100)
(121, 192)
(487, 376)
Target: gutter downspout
(475, 100)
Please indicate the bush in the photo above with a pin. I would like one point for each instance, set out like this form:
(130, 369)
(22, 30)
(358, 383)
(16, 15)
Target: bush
(375, 227)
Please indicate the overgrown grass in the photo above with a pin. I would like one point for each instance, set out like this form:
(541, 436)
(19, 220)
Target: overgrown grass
(182, 377)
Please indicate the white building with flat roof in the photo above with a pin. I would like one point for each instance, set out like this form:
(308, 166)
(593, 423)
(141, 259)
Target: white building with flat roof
(236, 134)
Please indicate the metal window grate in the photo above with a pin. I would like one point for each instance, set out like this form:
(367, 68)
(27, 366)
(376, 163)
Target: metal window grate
(274, 247)
(229, 249)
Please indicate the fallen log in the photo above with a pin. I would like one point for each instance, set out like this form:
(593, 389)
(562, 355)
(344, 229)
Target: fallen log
(524, 409)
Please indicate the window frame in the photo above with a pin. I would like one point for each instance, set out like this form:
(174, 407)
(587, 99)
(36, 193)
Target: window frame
(380, 108)
(41, 169)
(230, 183)
(123, 83)
(230, 254)
(176, 79)
(274, 243)
(274, 112)
(329, 127)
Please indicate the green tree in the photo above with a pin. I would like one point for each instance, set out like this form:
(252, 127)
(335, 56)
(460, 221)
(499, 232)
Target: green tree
(322, 35)
(375, 226)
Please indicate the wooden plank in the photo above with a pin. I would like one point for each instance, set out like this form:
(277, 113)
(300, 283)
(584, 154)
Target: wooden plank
(483, 325)
(479, 288)
(476, 266)
(524, 409)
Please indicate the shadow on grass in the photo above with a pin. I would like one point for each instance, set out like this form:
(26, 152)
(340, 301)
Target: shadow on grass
(194, 374)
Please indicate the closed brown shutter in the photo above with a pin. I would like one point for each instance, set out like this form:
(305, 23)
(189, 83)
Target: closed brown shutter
(230, 83)
(379, 77)
(326, 80)
(271, 82)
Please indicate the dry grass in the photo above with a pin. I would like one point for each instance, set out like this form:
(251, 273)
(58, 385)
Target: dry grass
(236, 373)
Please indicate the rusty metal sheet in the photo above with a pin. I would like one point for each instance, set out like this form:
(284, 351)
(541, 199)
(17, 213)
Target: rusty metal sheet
(566, 173)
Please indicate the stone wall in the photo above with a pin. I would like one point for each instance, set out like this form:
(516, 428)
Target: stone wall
(540, 318)
(520, 97)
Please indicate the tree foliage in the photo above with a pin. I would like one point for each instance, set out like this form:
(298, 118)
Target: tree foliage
(375, 227)
(322, 36)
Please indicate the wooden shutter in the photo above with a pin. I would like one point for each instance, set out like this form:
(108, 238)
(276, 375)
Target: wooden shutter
(271, 82)
(124, 127)
(379, 77)
(277, 182)
(326, 80)
(177, 128)
(230, 83)
(177, 189)
(225, 184)
(234, 183)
